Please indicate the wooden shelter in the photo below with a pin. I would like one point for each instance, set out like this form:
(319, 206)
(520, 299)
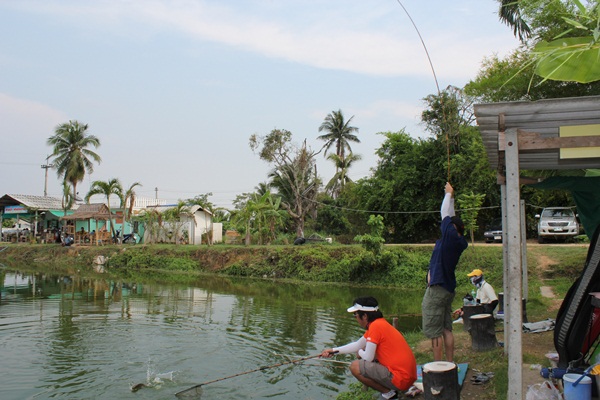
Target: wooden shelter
(553, 134)
(97, 217)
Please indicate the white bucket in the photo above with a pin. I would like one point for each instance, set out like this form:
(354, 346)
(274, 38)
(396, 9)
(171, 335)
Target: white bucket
(583, 390)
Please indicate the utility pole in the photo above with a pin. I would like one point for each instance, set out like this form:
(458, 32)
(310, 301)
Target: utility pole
(46, 167)
(156, 193)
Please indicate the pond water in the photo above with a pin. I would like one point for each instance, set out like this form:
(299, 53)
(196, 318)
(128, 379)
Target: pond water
(71, 337)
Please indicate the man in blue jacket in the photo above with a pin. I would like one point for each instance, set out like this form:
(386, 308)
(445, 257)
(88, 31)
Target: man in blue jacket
(441, 280)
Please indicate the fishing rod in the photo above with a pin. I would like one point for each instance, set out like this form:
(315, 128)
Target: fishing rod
(197, 389)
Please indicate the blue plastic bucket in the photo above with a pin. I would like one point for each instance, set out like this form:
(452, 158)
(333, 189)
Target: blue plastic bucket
(583, 390)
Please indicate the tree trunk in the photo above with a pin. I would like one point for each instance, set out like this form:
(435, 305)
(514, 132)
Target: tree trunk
(483, 332)
(440, 381)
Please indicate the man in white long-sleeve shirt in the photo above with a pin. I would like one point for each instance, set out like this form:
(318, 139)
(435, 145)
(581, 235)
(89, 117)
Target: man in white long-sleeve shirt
(441, 280)
(386, 362)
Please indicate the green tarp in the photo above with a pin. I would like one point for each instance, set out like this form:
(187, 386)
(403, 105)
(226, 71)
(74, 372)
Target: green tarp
(586, 193)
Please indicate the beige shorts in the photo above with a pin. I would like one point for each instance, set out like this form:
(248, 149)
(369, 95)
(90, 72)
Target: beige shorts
(377, 372)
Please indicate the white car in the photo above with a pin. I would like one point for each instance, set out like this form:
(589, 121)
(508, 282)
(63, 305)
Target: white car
(557, 223)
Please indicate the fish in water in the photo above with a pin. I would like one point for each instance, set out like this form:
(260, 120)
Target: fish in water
(138, 386)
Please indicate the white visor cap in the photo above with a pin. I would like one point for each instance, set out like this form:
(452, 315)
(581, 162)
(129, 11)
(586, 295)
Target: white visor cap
(357, 307)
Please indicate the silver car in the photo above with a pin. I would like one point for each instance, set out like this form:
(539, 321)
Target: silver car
(557, 223)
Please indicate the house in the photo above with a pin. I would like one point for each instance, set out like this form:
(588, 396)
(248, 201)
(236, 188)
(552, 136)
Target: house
(37, 213)
(88, 219)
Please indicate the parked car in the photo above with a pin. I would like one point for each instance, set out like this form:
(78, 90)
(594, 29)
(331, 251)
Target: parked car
(493, 232)
(557, 223)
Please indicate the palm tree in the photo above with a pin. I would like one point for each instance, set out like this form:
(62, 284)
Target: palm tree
(510, 14)
(67, 197)
(341, 178)
(127, 200)
(175, 218)
(72, 156)
(108, 188)
(340, 133)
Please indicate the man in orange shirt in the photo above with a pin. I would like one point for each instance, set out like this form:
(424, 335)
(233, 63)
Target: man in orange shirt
(386, 362)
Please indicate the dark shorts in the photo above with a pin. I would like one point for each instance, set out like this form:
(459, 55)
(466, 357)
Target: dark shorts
(437, 311)
(377, 372)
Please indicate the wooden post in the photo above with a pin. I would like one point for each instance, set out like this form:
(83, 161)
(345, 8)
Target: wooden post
(483, 332)
(468, 311)
(440, 381)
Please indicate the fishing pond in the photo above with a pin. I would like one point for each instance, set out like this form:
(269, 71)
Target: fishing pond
(75, 337)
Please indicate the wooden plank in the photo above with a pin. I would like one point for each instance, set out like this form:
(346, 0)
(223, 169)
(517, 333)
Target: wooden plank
(535, 141)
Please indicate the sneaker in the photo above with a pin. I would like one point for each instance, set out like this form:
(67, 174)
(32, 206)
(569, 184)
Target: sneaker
(413, 391)
(380, 397)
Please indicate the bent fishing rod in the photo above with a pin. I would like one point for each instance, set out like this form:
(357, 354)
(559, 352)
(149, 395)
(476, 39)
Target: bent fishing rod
(194, 390)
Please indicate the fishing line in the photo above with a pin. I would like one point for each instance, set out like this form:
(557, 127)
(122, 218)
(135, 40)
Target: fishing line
(436, 84)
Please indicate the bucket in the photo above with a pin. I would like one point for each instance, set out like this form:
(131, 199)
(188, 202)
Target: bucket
(583, 390)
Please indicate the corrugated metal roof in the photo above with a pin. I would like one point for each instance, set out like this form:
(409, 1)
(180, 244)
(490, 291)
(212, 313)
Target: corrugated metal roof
(544, 117)
(34, 202)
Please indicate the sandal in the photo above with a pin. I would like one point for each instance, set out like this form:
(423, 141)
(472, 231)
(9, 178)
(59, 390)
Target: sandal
(481, 378)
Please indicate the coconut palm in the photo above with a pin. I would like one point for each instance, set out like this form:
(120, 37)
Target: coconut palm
(127, 200)
(341, 178)
(510, 14)
(71, 151)
(339, 133)
(109, 188)
(67, 197)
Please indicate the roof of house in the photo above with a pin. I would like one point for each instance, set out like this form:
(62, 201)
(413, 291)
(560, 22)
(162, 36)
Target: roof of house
(97, 211)
(33, 202)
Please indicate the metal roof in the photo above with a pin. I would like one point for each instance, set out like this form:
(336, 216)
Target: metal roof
(544, 117)
(32, 202)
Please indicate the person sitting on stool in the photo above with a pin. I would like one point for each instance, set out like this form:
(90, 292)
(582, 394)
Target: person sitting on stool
(486, 295)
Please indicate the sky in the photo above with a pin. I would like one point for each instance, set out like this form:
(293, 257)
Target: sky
(175, 88)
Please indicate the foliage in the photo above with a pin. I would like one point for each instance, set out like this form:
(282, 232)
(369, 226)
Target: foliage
(402, 186)
(332, 217)
(339, 133)
(512, 78)
(107, 188)
(373, 242)
(71, 151)
(294, 174)
(173, 220)
(469, 204)
(127, 199)
(140, 260)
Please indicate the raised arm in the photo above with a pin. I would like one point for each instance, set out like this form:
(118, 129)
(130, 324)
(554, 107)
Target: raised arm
(447, 209)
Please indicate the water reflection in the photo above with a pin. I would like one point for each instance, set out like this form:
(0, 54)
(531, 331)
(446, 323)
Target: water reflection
(76, 337)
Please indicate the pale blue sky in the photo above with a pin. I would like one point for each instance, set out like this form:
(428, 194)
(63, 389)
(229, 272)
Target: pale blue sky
(174, 88)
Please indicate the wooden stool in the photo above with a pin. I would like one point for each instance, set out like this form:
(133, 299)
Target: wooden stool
(440, 381)
(468, 311)
(483, 332)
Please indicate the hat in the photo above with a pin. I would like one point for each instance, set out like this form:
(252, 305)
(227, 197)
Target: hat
(460, 225)
(358, 307)
(475, 272)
